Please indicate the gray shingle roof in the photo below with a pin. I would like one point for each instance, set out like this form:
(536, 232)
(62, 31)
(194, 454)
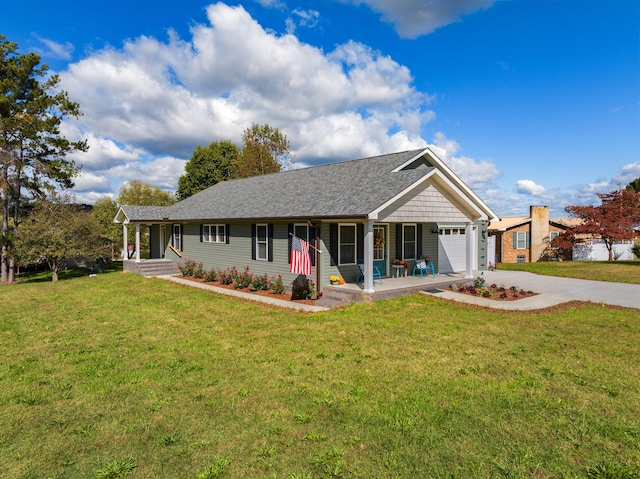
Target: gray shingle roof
(350, 188)
(336, 190)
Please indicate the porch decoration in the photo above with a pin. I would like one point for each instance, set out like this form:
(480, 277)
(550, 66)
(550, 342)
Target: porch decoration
(336, 280)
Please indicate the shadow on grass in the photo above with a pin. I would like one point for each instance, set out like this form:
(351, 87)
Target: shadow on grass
(70, 273)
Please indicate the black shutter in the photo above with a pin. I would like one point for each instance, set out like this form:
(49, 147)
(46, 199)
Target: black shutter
(253, 241)
(227, 232)
(181, 238)
(312, 241)
(399, 240)
(419, 240)
(360, 242)
(333, 243)
(270, 242)
(201, 233)
(290, 232)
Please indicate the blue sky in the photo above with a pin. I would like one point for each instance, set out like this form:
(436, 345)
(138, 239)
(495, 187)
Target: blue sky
(530, 102)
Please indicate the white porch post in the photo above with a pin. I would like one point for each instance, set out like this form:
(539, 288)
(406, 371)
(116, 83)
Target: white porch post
(469, 250)
(137, 242)
(368, 257)
(125, 251)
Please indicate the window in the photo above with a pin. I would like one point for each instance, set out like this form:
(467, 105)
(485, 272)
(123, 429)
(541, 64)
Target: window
(378, 243)
(520, 240)
(214, 234)
(553, 234)
(261, 243)
(521, 258)
(177, 237)
(408, 241)
(301, 231)
(347, 244)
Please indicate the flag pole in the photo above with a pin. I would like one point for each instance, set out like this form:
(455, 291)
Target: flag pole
(310, 245)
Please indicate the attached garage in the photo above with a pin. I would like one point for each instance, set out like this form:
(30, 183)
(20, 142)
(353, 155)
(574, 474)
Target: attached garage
(451, 249)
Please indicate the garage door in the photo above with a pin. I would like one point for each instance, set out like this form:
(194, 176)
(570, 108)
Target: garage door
(451, 250)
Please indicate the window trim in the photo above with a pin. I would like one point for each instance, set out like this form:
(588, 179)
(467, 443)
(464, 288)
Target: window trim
(519, 241)
(265, 242)
(217, 238)
(415, 240)
(176, 238)
(355, 243)
(306, 227)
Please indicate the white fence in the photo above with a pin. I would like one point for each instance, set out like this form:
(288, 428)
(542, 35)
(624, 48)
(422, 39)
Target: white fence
(597, 251)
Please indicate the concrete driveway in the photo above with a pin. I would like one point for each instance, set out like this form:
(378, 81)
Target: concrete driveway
(553, 290)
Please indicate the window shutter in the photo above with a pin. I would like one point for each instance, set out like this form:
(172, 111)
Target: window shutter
(333, 243)
(227, 228)
(201, 233)
(360, 242)
(515, 240)
(399, 240)
(527, 236)
(419, 240)
(270, 242)
(253, 241)
(181, 238)
(290, 232)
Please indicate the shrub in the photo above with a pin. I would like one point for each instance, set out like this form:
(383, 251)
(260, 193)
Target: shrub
(198, 272)
(259, 283)
(186, 268)
(304, 290)
(225, 277)
(276, 285)
(242, 279)
(211, 275)
(636, 249)
(479, 282)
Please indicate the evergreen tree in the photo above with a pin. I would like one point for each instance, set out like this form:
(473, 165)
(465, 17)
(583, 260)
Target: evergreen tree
(208, 165)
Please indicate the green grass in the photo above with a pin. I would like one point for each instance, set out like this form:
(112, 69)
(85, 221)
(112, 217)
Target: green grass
(122, 376)
(614, 271)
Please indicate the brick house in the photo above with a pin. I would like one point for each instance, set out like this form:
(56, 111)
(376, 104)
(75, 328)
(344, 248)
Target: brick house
(524, 239)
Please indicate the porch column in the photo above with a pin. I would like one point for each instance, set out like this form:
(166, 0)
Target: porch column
(125, 251)
(137, 242)
(469, 250)
(368, 257)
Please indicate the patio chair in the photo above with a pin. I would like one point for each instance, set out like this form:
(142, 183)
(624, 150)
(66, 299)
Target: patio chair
(376, 272)
(422, 267)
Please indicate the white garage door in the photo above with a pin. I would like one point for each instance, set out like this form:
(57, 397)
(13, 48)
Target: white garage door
(451, 250)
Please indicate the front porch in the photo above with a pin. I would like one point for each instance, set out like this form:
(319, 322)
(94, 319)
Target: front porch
(334, 296)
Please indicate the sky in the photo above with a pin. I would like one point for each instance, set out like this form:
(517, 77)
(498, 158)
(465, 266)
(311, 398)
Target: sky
(530, 102)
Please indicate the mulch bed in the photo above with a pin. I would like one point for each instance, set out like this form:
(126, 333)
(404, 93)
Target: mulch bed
(268, 293)
(494, 292)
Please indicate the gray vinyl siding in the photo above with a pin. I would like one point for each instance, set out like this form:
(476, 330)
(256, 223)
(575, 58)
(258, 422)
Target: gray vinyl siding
(238, 251)
(430, 243)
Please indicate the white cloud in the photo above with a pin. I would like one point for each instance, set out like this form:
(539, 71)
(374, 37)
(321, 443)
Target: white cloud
(479, 175)
(90, 182)
(302, 18)
(55, 49)
(148, 104)
(529, 187)
(412, 18)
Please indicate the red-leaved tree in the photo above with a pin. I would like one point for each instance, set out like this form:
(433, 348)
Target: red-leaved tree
(612, 221)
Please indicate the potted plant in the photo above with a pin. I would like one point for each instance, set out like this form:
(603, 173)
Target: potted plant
(335, 280)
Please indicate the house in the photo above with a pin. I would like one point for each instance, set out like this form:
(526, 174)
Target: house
(402, 205)
(524, 239)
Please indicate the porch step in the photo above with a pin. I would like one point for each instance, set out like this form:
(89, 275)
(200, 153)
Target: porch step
(334, 296)
(155, 267)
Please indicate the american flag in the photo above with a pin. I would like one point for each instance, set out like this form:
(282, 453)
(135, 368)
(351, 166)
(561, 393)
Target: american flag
(300, 258)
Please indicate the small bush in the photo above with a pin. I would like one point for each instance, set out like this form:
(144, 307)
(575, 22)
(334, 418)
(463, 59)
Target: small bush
(479, 282)
(198, 272)
(259, 283)
(225, 277)
(186, 268)
(277, 287)
(242, 279)
(211, 275)
(304, 290)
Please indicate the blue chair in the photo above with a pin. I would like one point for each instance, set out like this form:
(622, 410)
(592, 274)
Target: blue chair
(376, 272)
(422, 267)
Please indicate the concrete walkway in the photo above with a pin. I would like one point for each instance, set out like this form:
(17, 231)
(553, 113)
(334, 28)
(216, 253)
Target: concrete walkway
(552, 290)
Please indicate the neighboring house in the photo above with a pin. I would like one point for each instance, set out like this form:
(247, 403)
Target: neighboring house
(376, 209)
(524, 239)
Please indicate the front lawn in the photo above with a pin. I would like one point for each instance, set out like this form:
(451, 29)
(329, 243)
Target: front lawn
(113, 374)
(614, 271)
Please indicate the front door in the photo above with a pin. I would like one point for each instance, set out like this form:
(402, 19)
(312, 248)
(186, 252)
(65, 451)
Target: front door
(380, 248)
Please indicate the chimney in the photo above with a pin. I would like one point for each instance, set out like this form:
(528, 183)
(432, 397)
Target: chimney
(539, 231)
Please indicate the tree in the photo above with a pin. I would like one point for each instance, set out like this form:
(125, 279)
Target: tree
(139, 193)
(104, 210)
(32, 150)
(265, 150)
(634, 185)
(58, 230)
(208, 165)
(612, 221)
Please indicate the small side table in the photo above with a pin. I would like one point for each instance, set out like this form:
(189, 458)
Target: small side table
(397, 269)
